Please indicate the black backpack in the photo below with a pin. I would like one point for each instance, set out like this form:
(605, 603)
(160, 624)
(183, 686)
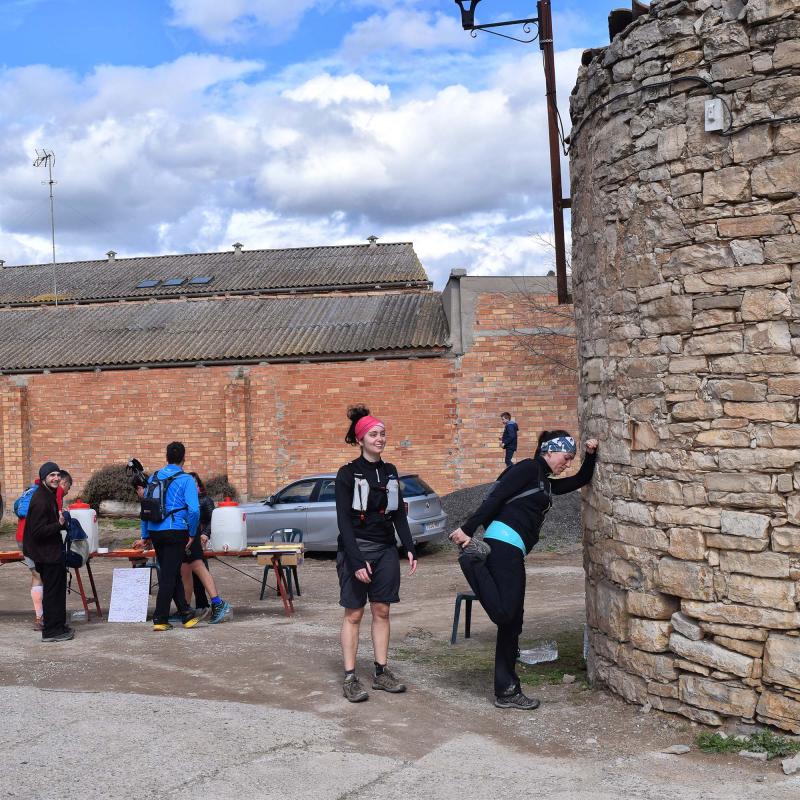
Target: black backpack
(154, 502)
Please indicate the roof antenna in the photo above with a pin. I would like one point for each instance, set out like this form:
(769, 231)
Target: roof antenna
(47, 158)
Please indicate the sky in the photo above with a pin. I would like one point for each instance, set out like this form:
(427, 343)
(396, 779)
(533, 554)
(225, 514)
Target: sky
(184, 126)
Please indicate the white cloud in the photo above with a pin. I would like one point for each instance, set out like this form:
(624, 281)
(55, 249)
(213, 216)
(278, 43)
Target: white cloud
(232, 20)
(204, 151)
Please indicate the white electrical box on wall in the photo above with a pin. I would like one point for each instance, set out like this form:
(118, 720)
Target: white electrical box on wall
(713, 115)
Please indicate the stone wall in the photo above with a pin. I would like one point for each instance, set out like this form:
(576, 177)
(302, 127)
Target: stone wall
(686, 259)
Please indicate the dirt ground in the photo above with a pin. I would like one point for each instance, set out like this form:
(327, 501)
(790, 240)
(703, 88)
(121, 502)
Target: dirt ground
(244, 709)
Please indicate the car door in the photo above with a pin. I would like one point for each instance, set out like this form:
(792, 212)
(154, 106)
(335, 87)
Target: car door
(290, 506)
(322, 530)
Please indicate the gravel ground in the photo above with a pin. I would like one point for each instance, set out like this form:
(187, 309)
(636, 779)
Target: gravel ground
(561, 531)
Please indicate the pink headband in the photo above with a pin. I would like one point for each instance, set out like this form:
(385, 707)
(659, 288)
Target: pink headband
(364, 424)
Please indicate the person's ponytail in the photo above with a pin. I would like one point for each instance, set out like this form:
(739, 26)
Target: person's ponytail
(354, 414)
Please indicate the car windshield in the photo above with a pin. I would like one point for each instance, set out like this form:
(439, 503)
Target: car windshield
(414, 486)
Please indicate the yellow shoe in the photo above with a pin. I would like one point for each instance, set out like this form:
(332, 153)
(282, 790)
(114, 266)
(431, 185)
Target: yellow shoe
(162, 626)
(193, 617)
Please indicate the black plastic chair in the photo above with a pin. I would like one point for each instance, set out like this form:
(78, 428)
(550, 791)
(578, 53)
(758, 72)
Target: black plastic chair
(283, 535)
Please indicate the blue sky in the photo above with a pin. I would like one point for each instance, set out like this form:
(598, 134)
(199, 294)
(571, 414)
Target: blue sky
(184, 125)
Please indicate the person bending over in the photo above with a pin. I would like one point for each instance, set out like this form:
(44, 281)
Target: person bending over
(512, 515)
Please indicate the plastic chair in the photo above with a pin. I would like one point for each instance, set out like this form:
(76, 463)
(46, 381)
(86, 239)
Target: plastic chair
(466, 597)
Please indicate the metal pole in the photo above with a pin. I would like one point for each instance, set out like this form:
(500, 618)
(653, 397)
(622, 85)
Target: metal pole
(546, 45)
(52, 227)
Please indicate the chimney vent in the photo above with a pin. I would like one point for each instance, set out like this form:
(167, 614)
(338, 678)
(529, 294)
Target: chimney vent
(237, 246)
(2, 264)
(373, 241)
(111, 256)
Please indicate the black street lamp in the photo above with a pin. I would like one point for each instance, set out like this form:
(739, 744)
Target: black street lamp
(544, 24)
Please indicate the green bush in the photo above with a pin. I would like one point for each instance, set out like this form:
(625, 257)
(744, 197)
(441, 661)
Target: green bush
(108, 483)
(218, 488)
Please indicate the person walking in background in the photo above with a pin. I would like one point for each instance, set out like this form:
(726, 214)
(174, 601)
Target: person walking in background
(508, 441)
(369, 508)
(42, 543)
(194, 569)
(494, 567)
(172, 490)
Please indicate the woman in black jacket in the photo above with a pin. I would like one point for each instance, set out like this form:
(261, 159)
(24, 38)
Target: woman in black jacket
(512, 515)
(369, 509)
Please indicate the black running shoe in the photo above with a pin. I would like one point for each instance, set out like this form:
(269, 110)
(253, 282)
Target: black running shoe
(353, 690)
(518, 701)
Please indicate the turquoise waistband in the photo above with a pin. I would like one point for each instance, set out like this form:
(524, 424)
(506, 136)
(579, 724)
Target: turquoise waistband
(503, 533)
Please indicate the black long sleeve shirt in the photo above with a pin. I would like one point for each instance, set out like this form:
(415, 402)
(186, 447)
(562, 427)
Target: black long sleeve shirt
(42, 540)
(527, 514)
(374, 527)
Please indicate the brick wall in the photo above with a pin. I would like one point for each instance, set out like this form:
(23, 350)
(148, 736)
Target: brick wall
(265, 425)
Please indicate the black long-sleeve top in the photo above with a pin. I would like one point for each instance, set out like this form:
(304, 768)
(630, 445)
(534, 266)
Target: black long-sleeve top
(206, 510)
(374, 527)
(527, 514)
(42, 540)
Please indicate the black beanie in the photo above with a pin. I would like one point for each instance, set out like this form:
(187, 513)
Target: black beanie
(47, 468)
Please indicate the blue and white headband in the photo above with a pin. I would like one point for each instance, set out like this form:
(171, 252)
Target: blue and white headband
(561, 444)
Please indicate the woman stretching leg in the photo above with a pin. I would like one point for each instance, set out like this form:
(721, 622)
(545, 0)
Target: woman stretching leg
(513, 514)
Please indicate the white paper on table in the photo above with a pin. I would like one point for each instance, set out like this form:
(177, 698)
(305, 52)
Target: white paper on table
(130, 594)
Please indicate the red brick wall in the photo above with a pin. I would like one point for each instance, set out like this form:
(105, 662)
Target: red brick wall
(266, 425)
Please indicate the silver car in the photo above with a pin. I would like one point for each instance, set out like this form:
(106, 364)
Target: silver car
(309, 504)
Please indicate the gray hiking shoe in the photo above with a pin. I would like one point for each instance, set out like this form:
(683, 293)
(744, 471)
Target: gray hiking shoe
(353, 690)
(387, 681)
(518, 701)
(476, 548)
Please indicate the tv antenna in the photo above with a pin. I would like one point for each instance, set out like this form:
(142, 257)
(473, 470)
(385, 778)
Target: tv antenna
(47, 158)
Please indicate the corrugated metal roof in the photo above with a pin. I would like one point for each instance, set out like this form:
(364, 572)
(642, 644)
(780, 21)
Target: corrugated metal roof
(255, 271)
(222, 329)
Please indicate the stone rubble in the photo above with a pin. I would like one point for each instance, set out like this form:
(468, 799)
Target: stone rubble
(686, 276)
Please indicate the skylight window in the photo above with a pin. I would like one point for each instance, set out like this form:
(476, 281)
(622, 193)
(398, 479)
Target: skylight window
(174, 282)
(201, 280)
(148, 284)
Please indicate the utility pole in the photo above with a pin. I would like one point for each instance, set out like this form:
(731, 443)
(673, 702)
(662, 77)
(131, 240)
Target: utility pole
(47, 158)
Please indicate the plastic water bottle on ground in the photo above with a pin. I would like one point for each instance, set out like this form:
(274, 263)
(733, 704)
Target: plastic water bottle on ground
(541, 653)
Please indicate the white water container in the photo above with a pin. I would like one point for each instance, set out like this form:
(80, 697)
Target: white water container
(87, 517)
(228, 526)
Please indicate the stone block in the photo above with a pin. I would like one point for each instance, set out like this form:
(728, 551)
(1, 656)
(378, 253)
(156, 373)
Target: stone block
(685, 579)
(655, 666)
(686, 627)
(603, 646)
(758, 459)
(762, 412)
(753, 363)
(651, 635)
(764, 304)
(723, 438)
(782, 660)
(737, 390)
(711, 655)
(653, 605)
(637, 513)
(740, 523)
(715, 344)
(752, 649)
(690, 666)
(778, 176)
(715, 696)
(723, 542)
(754, 227)
(652, 538)
(631, 687)
(779, 710)
(793, 507)
(764, 565)
(768, 337)
(733, 614)
(786, 539)
(687, 544)
(789, 386)
(762, 592)
(736, 482)
(659, 491)
(678, 515)
(671, 706)
(760, 11)
(606, 609)
(727, 185)
(735, 631)
(786, 54)
(747, 251)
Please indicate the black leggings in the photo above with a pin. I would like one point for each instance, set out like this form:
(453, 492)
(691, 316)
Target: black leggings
(499, 584)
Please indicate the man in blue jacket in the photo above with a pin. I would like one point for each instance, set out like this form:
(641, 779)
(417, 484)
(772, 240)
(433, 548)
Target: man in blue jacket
(172, 535)
(508, 441)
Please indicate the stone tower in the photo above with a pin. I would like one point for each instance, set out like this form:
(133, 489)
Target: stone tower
(686, 275)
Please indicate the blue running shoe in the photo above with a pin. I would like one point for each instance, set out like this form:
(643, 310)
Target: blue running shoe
(219, 612)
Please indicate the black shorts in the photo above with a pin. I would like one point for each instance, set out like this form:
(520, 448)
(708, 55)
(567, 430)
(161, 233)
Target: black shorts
(385, 584)
(195, 551)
